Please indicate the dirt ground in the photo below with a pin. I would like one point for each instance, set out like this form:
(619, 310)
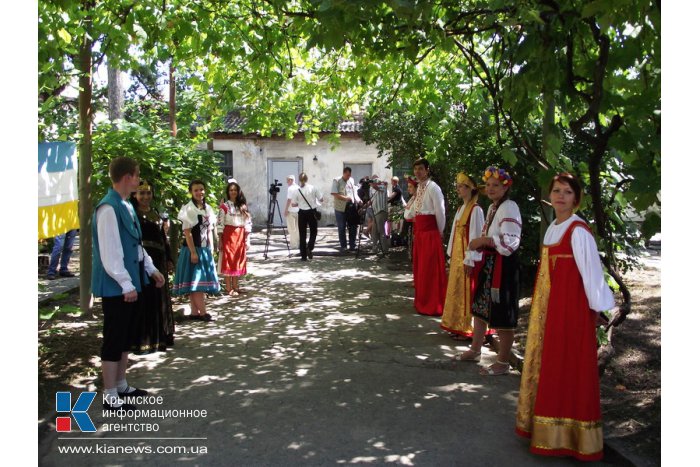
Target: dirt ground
(630, 386)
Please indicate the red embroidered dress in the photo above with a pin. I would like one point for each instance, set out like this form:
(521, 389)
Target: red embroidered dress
(559, 402)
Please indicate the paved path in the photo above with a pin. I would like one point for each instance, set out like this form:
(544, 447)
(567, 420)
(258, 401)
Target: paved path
(322, 363)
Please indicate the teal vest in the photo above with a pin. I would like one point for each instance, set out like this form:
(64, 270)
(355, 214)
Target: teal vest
(130, 235)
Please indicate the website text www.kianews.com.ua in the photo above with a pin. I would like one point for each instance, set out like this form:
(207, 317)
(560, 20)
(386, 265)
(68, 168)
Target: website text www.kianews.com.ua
(103, 448)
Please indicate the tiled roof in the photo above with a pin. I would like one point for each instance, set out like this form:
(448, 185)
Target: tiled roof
(233, 123)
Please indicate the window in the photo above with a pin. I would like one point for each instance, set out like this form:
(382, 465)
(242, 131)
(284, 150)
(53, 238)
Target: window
(359, 170)
(226, 163)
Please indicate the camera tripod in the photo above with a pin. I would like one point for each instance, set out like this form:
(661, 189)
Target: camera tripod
(272, 207)
(379, 233)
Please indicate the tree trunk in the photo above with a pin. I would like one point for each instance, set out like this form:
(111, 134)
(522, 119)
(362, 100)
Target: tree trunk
(85, 170)
(115, 94)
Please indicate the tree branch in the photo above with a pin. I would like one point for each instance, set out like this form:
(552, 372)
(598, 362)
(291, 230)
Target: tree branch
(617, 188)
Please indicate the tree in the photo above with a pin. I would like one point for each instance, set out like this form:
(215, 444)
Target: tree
(591, 69)
(543, 75)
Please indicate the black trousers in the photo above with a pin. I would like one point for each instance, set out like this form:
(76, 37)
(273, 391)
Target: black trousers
(307, 219)
(118, 326)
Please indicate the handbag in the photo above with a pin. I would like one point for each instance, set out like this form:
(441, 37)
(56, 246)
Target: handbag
(317, 213)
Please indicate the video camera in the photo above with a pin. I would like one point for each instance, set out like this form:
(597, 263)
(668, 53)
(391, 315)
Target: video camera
(274, 188)
(363, 191)
(365, 182)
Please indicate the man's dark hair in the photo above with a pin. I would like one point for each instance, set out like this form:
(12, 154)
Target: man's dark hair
(120, 167)
(348, 170)
(422, 161)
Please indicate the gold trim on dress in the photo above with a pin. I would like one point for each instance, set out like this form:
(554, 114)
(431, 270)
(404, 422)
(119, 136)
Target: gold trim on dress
(584, 437)
(529, 380)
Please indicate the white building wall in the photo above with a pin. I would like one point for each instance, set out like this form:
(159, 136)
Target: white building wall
(250, 166)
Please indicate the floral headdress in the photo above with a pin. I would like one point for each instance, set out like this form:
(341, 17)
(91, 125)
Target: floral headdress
(500, 174)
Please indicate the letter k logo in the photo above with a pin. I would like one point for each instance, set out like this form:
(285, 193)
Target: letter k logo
(79, 411)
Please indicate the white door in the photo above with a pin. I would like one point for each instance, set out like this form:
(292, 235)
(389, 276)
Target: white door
(278, 169)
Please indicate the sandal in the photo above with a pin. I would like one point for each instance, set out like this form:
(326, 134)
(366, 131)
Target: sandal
(490, 371)
(206, 317)
(468, 356)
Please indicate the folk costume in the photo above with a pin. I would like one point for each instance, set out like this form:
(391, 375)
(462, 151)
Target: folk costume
(119, 265)
(199, 277)
(155, 325)
(236, 227)
(467, 225)
(497, 287)
(428, 214)
(559, 402)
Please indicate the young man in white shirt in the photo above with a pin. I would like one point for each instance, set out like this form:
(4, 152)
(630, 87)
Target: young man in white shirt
(428, 214)
(120, 265)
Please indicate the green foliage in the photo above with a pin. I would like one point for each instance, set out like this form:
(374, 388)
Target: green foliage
(168, 164)
(464, 83)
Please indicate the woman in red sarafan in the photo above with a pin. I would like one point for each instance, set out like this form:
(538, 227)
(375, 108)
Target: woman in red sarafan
(559, 402)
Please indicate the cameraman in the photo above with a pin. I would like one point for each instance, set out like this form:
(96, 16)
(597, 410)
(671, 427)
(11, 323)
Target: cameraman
(343, 191)
(378, 197)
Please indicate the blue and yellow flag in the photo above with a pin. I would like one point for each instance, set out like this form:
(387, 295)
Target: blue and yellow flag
(58, 189)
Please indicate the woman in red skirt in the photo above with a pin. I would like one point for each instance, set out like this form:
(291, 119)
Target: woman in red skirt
(234, 226)
(559, 402)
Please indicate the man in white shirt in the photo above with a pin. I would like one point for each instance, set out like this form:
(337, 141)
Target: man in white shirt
(343, 192)
(307, 198)
(120, 266)
(291, 213)
(428, 214)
